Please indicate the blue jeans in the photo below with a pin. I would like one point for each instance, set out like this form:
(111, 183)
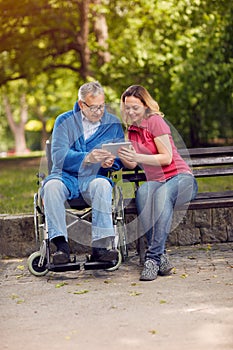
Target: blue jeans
(156, 202)
(99, 196)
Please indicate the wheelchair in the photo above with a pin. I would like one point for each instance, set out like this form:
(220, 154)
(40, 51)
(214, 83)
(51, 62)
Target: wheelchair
(40, 262)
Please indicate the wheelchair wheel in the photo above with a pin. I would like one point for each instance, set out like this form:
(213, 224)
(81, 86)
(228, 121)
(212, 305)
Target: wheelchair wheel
(38, 219)
(119, 221)
(33, 267)
(122, 243)
(119, 261)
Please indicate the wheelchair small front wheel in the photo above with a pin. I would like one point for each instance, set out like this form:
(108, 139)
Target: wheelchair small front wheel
(33, 267)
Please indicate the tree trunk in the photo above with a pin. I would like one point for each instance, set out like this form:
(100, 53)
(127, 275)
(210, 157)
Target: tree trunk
(101, 33)
(18, 129)
(82, 38)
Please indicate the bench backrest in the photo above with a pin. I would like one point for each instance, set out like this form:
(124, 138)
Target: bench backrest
(205, 162)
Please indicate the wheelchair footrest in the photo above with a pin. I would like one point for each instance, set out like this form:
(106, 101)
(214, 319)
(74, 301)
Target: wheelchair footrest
(98, 265)
(72, 266)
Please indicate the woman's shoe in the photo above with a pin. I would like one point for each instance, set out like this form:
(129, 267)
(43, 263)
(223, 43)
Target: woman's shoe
(165, 266)
(150, 270)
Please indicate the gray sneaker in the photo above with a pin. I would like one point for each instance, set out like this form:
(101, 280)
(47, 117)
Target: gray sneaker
(165, 265)
(150, 270)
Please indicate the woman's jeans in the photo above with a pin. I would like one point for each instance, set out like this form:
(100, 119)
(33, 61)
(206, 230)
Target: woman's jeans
(99, 196)
(156, 202)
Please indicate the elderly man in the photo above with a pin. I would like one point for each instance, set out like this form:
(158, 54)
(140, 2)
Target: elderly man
(80, 168)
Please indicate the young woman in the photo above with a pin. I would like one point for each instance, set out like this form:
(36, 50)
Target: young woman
(170, 181)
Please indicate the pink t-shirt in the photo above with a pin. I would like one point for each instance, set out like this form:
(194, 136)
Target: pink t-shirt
(142, 139)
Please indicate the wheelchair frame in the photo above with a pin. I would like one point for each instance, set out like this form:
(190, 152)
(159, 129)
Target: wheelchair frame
(39, 262)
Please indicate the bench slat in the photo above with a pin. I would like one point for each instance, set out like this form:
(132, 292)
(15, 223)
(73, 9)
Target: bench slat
(211, 203)
(211, 161)
(201, 152)
(139, 177)
(203, 200)
(212, 172)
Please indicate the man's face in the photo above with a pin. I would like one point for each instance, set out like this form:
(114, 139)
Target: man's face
(93, 107)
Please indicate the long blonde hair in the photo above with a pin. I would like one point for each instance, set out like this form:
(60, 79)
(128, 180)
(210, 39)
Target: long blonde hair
(144, 96)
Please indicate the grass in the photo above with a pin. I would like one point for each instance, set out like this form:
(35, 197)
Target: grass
(220, 183)
(18, 183)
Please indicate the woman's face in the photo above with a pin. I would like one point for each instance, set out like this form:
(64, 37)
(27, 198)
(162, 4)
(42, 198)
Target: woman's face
(134, 109)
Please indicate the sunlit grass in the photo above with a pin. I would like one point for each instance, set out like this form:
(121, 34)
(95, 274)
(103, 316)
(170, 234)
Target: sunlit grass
(220, 183)
(17, 188)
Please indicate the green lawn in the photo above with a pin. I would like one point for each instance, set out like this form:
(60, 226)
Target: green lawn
(222, 183)
(18, 183)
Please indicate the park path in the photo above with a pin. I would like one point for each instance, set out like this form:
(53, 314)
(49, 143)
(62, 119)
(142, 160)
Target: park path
(191, 309)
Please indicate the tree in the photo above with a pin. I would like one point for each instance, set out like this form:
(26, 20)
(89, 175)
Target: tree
(179, 49)
(54, 36)
(17, 127)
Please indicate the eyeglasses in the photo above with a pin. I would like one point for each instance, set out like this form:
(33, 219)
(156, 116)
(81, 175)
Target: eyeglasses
(94, 109)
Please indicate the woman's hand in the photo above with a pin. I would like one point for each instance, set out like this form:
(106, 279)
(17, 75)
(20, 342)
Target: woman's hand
(127, 154)
(128, 157)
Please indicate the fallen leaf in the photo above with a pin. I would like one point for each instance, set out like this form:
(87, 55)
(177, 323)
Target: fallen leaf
(20, 267)
(134, 294)
(62, 284)
(81, 291)
(14, 296)
(191, 257)
(134, 284)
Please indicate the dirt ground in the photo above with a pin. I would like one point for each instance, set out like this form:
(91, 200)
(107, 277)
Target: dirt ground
(191, 309)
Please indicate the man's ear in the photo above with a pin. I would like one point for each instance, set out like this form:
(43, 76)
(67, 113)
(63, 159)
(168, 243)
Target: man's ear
(80, 104)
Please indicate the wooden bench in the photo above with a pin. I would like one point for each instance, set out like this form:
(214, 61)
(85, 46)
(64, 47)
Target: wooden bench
(205, 162)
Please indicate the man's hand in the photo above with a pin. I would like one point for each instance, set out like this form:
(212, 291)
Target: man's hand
(100, 156)
(108, 163)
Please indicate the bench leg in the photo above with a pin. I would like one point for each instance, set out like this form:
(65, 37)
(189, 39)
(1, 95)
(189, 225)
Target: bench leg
(141, 249)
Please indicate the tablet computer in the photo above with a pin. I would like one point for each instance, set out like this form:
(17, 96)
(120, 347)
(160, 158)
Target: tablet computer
(113, 147)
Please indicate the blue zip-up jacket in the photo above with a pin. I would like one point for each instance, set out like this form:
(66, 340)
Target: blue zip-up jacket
(69, 148)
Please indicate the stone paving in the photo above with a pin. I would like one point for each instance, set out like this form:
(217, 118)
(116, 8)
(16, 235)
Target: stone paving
(190, 309)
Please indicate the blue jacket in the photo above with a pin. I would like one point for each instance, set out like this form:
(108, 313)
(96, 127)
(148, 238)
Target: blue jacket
(69, 148)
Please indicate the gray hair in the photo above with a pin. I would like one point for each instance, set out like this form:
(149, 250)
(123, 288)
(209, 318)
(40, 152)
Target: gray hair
(93, 88)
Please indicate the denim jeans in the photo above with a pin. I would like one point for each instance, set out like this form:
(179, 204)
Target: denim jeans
(156, 202)
(99, 196)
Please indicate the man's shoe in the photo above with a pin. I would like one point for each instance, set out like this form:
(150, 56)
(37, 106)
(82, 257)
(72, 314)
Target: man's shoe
(150, 270)
(165, 266)
(104, 255)
(60, 257)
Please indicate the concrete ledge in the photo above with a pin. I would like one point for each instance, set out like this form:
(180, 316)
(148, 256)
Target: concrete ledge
(17, 237)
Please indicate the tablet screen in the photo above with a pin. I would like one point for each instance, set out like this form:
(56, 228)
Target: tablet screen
(113, 147)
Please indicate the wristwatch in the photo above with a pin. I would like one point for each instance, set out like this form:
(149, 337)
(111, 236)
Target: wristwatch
(87, 160)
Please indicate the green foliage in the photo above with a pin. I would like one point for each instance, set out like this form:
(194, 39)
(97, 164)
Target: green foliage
(180, 50)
